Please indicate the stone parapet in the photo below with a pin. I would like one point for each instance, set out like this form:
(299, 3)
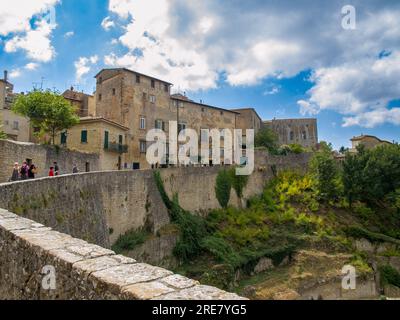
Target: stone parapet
(31, 254)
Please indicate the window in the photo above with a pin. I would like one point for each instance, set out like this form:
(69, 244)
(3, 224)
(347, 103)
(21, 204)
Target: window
(203, 110)
(304, 134)
(16, 125)
(143, 146)
(113, 91)
(106, 139)
(152, 98)
(84, 136)
(142, 123)
(166, 88)
(120, 139)
(100, 80)
(291, 135)
(137, 78)
(100, 97)
(160, 125)
(153, 84)
(222, 113)
(63, 138)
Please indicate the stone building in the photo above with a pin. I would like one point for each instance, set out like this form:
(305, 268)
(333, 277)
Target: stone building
(368, 141)
(16, 127)
(140, 103)
(295, 131)
(100, 136)
(85, 104)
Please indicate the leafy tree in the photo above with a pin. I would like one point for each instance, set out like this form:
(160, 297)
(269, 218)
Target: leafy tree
(372, 175)
(223, 188)
(343, 150)
(47, 110)
(353, 175)
(266, 138)
(325, 172)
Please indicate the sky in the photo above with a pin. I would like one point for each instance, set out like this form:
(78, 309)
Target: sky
(337, 61)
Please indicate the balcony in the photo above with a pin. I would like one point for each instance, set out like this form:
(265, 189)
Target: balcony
(116, 147)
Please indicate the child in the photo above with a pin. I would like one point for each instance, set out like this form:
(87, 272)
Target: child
(51, 172)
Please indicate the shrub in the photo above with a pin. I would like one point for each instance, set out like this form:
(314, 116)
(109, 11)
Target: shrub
(130, 240)
(389, 275)
(223, 188)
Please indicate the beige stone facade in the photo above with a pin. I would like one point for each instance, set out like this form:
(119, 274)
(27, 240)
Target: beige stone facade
(85, 104)
(100, 136)
(141, 103)
(295, 131)
(16, 127)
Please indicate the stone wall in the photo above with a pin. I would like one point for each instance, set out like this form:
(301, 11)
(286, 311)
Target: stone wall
(29, 251)
(43, 157)
(100, 206)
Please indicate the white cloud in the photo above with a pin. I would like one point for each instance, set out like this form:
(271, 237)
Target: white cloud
(31, 66)
(35, 42)
(16, 73)
(107, 23)
(16, 16)
(192, 44)
(69, 34)
(84, 65)
(25, 25)
(272, 90)
(360, 90)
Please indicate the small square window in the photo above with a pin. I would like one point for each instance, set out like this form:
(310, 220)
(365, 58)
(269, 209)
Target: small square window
(15, 125)
(152, 98)
(166, 88)
(153, 84)
(100, 97)
(137, 78)
(113, 91)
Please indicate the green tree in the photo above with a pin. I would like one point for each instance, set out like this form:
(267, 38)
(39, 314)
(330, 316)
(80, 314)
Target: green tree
(353, 175)
(223, 188)
(325, 171)
(266, 138)
(47, 110)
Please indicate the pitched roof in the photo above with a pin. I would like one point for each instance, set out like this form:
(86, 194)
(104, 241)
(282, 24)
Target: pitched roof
(358, 138)
(101, 119)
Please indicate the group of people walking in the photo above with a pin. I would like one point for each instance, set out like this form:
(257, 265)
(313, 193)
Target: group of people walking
(23, 172)
(28, 171)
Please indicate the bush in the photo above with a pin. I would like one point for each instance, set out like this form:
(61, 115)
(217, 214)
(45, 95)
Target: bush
(223, 188)
(325, 171)
(389, 275)
(130, 240)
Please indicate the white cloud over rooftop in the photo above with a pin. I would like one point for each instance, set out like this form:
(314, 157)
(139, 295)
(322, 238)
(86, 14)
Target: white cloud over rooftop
(193, 44)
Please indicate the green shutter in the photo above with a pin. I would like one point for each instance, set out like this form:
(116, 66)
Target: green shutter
(84, 136)
(63, 137)
(106, 138)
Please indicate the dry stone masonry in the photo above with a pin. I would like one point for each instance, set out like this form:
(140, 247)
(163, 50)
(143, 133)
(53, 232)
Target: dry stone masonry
(82, 270)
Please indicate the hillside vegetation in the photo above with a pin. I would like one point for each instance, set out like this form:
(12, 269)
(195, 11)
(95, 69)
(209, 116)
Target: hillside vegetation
(323, 209)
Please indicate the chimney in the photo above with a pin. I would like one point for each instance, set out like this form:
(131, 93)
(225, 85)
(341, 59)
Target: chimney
(5, 75)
